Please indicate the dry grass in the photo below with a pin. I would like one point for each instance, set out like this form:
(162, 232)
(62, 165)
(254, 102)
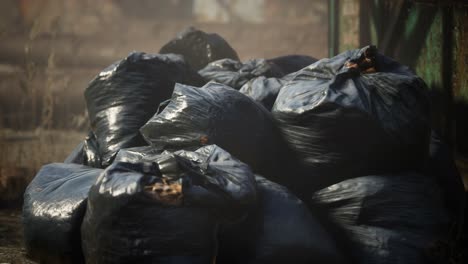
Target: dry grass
(22, 153)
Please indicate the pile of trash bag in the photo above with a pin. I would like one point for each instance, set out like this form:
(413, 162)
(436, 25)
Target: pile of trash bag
(196, 157)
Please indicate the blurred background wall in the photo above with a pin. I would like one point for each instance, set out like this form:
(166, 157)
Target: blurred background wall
(51, 49)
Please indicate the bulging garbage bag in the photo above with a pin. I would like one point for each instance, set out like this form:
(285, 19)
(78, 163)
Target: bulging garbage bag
(126, 94)
(165, 209)
(279, 229)
(217, 114)
(392, 218)
(234, 73)
(358, 113)
(199, 48)
(54, 206)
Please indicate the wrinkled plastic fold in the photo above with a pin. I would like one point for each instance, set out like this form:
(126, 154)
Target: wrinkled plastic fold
(235, 74)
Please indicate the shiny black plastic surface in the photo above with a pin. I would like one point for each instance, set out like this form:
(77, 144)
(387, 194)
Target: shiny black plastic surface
(126, 94)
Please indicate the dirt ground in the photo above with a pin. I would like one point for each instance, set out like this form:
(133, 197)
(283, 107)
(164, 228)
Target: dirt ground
(11, 237)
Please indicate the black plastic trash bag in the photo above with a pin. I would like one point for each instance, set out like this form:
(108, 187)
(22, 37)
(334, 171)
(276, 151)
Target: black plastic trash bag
(199, 48)
(167, 210)
(208, 161)
(397, 218)
(279, 229)
(86, 153)
(126, 94)
(217, 114)
(235, 74)
(263, 90)
(292, 63)
(53, 209)
(358, 113)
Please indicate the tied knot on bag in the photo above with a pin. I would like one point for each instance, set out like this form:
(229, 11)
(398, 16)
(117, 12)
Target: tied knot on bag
(365, 63)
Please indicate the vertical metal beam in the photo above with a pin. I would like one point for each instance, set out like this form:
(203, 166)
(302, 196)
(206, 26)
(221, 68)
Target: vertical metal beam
(333, 27)
(364, 23)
